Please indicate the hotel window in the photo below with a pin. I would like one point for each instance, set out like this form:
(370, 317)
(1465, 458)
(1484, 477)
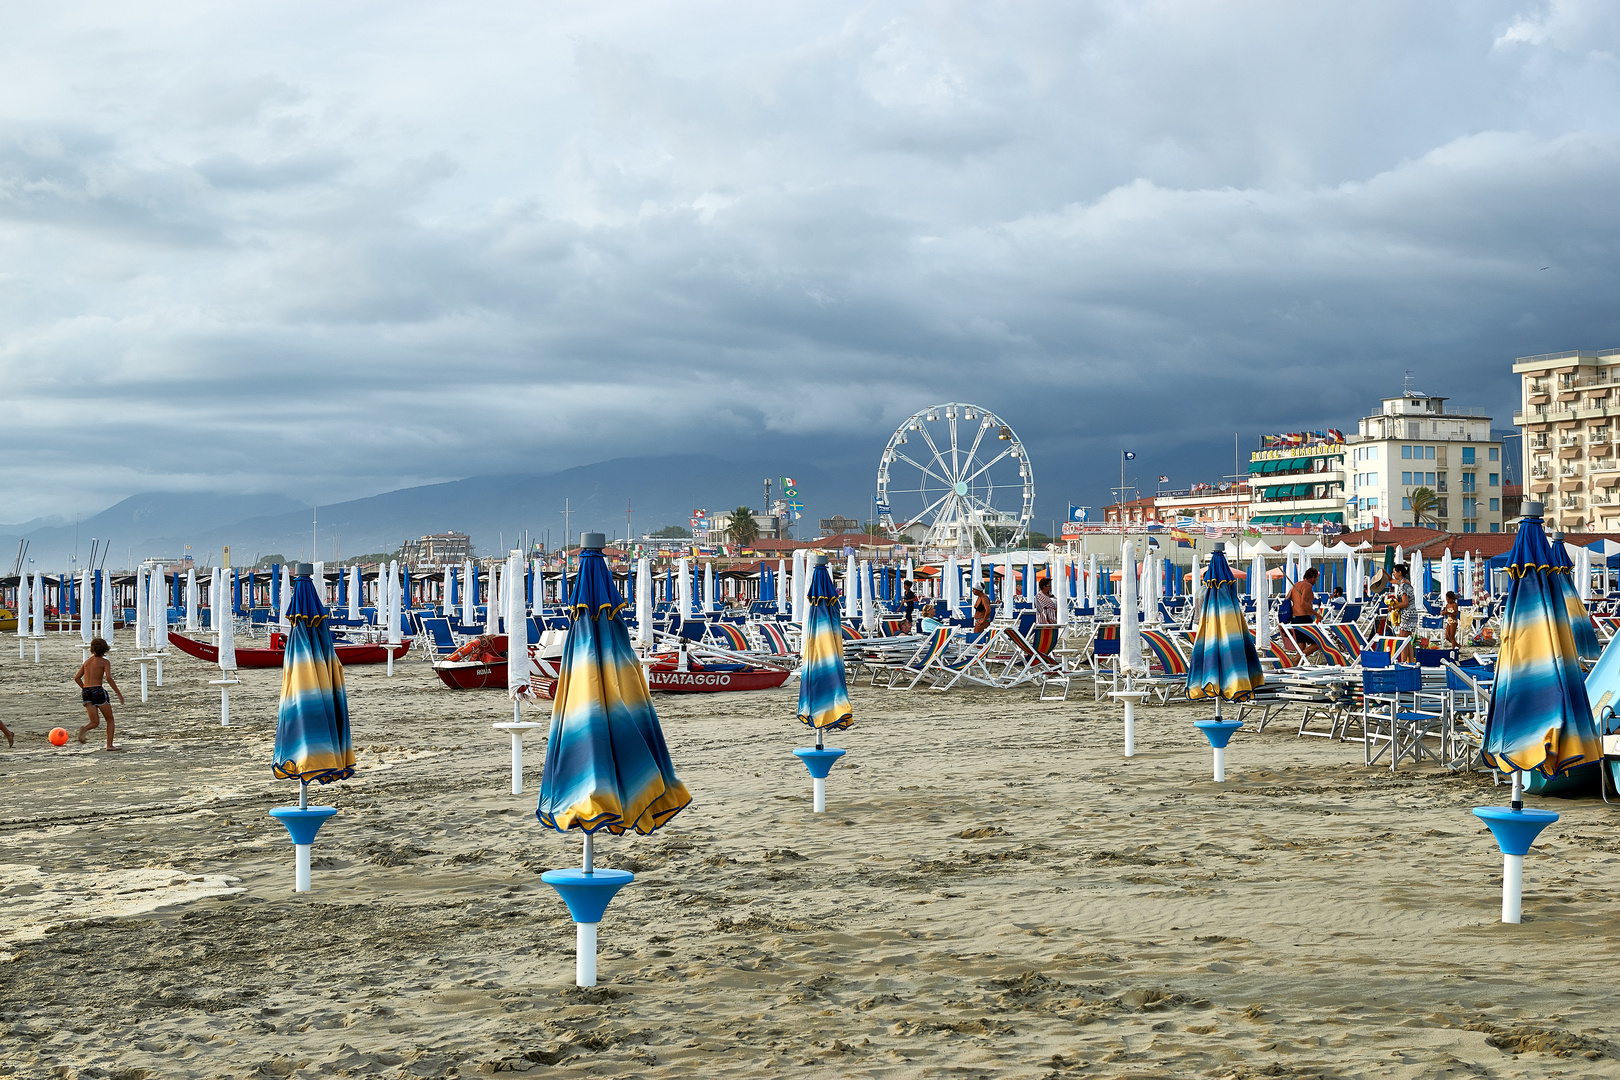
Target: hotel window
(1406, 477)
(1444, 511)
(1430, 480)
(1496, 504)
(1406, 452)
(1496, 526)
(1428, 452)
(1468, 481)
(1406, 504)
(1492, 453)
(1470, 526)
(1372, 453)
(1468, 455)
(1494, 478)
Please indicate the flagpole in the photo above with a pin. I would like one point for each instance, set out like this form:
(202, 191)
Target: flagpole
(1122, 493)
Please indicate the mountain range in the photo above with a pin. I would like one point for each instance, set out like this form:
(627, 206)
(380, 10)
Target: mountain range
(615, 497)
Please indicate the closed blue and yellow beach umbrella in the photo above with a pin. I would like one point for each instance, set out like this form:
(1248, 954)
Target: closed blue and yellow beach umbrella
(1540, 718)
(606, 763)
(823, 694)
(1587, 646)
(1224, 664)
(312, 722)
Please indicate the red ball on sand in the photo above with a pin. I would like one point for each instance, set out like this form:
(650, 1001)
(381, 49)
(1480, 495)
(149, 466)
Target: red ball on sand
(59, 736)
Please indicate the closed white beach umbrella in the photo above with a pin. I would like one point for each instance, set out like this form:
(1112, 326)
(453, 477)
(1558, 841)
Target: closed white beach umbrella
(106, 608)
(492, 607)
(160, 610)
(468, 600)
(395, 602)
(354, 592)
(143, 620)
(213, 597)
(1092, 589)
(644, 600)
(1468, 575)
(950, 587)
(1262, 612)
(1151, 563)
(1029, 577)
(517, 627)
(1257, 581)
(1059, 576)
(1009, 585)
(286, 598)
(1583, 571)
(683, 587)
(781, 586)
(318, 579)
(87, 605)
(869, 616)
(225, 623)
(191, 600)
(711, 602)
(1445, 573)
(1130, 634)
(850, 598)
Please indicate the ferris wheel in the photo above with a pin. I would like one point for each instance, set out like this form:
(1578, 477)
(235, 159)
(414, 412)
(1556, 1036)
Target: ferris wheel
(963, 473)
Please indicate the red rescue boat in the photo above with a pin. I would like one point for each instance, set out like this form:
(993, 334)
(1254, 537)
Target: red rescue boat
(480, 664)
(260, 657)
(710, 677)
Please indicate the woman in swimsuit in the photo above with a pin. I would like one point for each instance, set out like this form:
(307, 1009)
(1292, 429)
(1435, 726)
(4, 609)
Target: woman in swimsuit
(89, 677)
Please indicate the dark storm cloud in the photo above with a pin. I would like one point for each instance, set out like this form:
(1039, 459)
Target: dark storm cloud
(363, 253)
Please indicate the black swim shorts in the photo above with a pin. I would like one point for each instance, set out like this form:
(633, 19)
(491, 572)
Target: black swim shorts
(95, 695)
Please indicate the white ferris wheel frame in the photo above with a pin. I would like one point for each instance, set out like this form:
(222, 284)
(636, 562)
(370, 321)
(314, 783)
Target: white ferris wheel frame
(956, 466)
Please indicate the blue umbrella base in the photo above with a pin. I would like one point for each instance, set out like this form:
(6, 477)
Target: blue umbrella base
(1218, 732)
(1515, 830)
(818, 761)
(303, 823)
(587, 895)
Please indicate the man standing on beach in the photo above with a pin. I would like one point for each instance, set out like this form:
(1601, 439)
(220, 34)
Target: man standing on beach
(89, 677)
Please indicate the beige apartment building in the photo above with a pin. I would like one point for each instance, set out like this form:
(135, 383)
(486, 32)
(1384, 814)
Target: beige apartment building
(1414, 441)
(1570, 414)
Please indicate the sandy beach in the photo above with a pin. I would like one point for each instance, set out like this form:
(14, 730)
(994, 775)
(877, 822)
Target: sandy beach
(995, 891)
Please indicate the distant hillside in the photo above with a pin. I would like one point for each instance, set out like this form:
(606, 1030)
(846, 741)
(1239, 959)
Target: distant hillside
(494, 510)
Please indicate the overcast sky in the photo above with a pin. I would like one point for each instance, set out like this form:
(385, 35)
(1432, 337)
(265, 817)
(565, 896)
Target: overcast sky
(332, 249)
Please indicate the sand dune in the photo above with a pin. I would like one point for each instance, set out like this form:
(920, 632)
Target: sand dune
(994, 891)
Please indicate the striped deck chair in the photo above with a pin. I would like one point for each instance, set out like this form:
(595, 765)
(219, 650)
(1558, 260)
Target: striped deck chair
(1022, 659)
(852, 631)
(1282, 652)
(1171, 678)
(1605, 625)
(1350, 636)
(1400, 649)
(890, 627)
(932, 648)
(1327, 643)
(948, 660)
(732, 637)
(773, 639)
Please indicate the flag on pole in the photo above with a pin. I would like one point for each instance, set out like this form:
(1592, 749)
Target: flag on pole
(1130, 455)
(1077, 513)
(1164, 479)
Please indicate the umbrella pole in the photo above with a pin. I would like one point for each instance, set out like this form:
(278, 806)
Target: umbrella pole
(818, 784)
(585, 933)
(301, 851)
(1220, 751)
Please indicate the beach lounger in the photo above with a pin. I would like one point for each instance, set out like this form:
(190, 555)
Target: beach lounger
(436, 637)
(1167, 676)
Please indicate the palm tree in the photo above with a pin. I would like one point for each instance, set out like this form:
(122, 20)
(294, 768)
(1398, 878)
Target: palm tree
(1425, 506)
(743, 529)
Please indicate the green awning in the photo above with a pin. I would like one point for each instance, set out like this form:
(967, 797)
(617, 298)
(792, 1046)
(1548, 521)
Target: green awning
(1257, 467)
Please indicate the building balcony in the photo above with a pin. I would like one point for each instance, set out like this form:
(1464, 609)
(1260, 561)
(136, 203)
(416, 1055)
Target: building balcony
(1538, 474)
(1603, 464)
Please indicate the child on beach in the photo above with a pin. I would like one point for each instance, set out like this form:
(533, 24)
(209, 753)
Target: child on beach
(89, 677)
(1450, 614)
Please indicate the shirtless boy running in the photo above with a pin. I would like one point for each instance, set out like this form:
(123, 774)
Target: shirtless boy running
(89, 677)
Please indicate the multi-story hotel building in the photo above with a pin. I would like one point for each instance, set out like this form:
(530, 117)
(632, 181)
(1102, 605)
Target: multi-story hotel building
(1414, 442)
(1298, 485)
(1570, 416)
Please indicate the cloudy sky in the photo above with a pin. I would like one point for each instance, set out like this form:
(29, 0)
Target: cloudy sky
(333, 249)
